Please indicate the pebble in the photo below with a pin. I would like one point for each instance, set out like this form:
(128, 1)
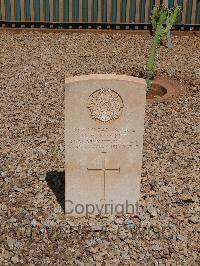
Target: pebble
(119, 221)
(97, 227)
(180, 237)
(61, 147)
(142, 256)
(193, 219)
(89, 243)
(3, 207)
(13, 220)
(152, 212)
(10, 243)
(57, 210)
(156, 247)
(122, 234)
(18, 189)
(3, 174)
(33, 222)
(125, 256)
(79, 263)
(18, 169)
(128, 222)
(15, 259)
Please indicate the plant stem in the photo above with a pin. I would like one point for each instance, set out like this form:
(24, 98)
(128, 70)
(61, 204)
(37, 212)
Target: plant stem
(169, 42)
(151, 59)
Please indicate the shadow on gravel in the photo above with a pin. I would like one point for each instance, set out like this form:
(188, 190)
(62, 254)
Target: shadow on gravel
(56, 181)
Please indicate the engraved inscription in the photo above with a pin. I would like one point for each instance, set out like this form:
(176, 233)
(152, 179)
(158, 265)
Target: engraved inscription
(105, 105)
(103, 138)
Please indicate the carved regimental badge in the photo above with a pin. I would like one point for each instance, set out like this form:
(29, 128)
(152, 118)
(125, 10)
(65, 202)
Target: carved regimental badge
(105, 105)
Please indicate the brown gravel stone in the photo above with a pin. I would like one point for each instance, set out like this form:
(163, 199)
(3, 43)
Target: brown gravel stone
(33, 228)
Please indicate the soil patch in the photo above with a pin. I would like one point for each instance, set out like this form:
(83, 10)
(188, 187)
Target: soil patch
(163, 89)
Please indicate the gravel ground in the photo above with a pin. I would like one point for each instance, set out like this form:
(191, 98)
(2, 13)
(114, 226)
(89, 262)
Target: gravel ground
(33, 228)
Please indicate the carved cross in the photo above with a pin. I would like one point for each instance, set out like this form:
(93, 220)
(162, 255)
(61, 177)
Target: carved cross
(104, 169)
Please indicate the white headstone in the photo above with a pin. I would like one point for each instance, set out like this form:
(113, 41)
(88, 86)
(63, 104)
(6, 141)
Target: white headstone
(104, 126)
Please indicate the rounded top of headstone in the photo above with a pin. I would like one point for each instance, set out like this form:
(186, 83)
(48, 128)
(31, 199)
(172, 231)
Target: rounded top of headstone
(105, 77)
(105, 105)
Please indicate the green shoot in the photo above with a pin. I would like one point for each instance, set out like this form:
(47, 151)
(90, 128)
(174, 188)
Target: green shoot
(158, 18)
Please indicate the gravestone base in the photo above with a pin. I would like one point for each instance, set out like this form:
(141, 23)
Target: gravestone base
(104, 126)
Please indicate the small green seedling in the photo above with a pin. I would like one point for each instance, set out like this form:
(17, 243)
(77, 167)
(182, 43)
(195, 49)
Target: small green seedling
(158, 18)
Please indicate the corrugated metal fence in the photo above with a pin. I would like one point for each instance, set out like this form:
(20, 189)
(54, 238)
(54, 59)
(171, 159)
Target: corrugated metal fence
(97, 12)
